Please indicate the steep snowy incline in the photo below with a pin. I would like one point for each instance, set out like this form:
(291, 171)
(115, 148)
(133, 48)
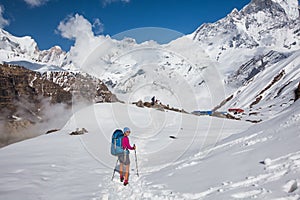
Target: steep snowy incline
(262, 162)
(270, 91)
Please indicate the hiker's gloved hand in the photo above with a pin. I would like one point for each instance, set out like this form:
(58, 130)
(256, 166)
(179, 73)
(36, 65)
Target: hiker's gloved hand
(134, 147)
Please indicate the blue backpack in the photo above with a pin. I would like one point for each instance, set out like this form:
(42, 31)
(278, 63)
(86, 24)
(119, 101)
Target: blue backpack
(116, 142)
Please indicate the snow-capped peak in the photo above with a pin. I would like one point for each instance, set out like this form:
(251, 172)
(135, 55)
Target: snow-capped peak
(56, 48)
(259, 27)
(15, 49)
(290, 7)
(17, 44)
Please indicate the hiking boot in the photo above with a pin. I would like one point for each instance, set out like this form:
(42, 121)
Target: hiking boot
(121, 178)
(125, 182)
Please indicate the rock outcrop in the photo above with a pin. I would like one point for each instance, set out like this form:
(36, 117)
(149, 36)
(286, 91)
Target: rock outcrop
(297, 92)
(26, 97)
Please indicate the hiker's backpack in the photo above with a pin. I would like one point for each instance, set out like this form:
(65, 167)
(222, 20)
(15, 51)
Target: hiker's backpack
(116, 142)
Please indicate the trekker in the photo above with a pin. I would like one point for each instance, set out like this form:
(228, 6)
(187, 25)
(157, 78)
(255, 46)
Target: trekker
(124, 158)
(153, 101)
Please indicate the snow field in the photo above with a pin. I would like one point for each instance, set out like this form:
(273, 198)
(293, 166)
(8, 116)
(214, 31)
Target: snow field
(210, 158)
(68, 165)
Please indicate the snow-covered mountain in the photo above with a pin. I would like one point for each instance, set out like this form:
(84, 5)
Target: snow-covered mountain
(140, 71)
(258, 52)
(133, 71)
(261, 26)
(14, 48)
(268, 85)
(202, 61)
(232, 50)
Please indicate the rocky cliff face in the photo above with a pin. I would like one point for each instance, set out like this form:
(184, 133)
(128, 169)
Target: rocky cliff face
(20, 84)
(60, 87)
(27, 96)
(82, 86)
(23, 95)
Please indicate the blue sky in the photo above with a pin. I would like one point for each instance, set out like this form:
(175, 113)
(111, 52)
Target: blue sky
(41, 18)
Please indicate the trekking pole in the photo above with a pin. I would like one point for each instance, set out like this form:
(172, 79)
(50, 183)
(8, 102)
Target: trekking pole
(137, 169)
(112, 178)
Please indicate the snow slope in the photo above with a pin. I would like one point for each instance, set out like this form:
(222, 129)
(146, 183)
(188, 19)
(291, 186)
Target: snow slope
(270, 91)
(261, 162)
(196, 165)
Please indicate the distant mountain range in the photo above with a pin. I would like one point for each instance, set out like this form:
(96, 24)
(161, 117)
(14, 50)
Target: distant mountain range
(237, 56)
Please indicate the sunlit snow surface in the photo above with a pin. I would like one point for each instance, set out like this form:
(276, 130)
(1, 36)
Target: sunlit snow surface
(261, 161)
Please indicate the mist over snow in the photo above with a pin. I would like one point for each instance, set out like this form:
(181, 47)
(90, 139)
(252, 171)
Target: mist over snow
(26, 124)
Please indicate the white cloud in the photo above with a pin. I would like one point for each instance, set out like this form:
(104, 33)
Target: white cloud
(3, 22)
(80, 30)
(75, 28)
(98, 27)
(106, 2)
(35, 3)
